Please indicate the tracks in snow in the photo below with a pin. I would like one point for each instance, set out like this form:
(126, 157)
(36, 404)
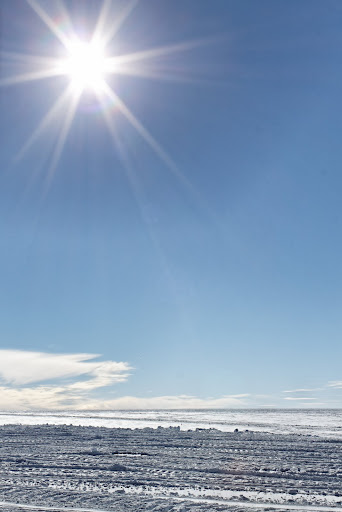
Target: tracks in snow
(229, 504)
(91, 469)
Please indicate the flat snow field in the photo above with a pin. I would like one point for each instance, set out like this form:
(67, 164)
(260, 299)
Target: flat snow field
(55, 468)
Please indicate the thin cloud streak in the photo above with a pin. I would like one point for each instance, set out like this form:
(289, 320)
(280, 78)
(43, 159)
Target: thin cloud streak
(299, 398)
(335, 384)
(302, 390)
(169, 402)
(68, 397)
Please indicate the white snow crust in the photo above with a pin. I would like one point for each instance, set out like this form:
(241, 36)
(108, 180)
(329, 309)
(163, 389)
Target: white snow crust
(320, 422)
(66, 467)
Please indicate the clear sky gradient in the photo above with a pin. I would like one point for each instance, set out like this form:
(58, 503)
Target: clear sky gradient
(214, 277)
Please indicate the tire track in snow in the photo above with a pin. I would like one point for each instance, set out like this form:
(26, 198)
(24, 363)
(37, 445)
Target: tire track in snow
(201, 470)
(230, 504)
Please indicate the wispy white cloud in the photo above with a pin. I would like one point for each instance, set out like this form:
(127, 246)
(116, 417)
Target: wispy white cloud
(20, 367)
(267, 406)
(168, 402)
(335, 384)
(59, 397)
(39, 397)
(302, 390)
(299, 398)
(41, 380)
(69, 378)
(241, 395)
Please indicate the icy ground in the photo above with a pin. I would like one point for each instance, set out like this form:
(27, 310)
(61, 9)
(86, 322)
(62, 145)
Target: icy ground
(52, 468)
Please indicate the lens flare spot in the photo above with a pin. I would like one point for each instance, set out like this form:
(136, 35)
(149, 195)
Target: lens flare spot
(85, 66)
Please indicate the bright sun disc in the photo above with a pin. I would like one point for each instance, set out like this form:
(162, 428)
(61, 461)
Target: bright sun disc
(86, 66)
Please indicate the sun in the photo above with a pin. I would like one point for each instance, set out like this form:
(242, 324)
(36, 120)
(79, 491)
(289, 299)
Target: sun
(86, 66)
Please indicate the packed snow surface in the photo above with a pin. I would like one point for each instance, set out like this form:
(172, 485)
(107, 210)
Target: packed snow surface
(68, 467)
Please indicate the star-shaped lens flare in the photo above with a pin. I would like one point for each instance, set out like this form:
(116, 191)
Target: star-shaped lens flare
(88, 64)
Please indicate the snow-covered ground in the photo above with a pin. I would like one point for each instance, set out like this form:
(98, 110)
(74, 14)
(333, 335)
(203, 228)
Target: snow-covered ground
(321, 422)
(54, 467)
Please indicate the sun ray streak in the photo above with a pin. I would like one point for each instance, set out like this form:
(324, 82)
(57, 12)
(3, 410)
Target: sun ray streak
(30, 77)
(62, 136)
(145, 134)
(66, 17)
(101, 20)
(140, 200)
(106, 37)
(160, 51)
(48, 119)
(49, 22)
(163, 76)
(80, 73)
(25, 58)
(158, 150)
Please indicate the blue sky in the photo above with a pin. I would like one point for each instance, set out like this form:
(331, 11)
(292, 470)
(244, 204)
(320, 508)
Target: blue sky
(204, 271)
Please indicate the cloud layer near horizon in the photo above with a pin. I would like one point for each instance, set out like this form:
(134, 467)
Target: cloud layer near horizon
(22, 374)
(44, 381)
(40, 380)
